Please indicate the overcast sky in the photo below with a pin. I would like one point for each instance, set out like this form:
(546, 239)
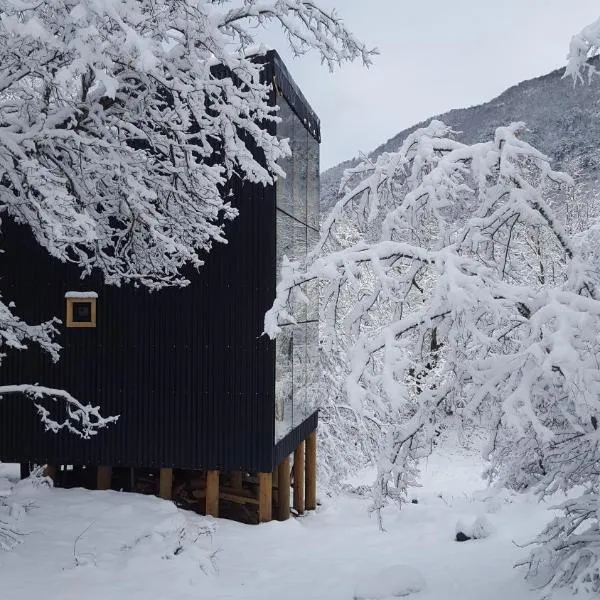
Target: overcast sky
(435, 55)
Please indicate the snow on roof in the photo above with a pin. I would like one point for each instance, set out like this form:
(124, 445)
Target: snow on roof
(81, 295)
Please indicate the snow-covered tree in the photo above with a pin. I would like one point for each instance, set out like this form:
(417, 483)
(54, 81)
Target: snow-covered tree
(568, 550)
(121, 122)
(469, 297)
(350, 439)
(584, 45)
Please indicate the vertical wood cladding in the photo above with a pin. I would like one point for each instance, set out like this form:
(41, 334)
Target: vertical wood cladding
(187, 369)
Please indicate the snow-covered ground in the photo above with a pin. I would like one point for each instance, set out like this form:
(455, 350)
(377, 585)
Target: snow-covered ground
(109, 545)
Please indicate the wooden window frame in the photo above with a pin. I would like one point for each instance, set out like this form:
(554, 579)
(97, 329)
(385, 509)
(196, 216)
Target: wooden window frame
(81, 324)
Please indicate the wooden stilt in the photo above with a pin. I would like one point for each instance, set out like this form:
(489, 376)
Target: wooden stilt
(283, 500)
(311, 471)
(265, 497)
(235, 480)
(166, 483)
(299, 478)
(212, 493)
(103, 478)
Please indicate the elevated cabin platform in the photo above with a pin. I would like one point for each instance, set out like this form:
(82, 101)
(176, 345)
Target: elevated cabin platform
(246, 497)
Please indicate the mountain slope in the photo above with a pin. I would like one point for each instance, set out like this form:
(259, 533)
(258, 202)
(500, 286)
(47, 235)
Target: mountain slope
(563, 122)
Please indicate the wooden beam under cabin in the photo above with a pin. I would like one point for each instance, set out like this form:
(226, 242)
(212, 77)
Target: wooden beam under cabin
(104, 478)
(299, 478)
(283, 500)
(265, 497)
(212, 493)
(166, 484)
(311, 471)
(239, 498)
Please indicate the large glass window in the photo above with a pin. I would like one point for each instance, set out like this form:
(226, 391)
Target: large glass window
(297, 232)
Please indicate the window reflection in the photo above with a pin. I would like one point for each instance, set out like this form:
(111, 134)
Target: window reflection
(297, 225)
(313, 184)
(283, 382)
(285, 129)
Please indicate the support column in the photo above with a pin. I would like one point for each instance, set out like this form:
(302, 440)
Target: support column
(283, 495)
(212, 493)
(166, 484)
(265, 497)
(311, 471)
(299, 478)
(104, 478)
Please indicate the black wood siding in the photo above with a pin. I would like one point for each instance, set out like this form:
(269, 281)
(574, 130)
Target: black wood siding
(186, 369)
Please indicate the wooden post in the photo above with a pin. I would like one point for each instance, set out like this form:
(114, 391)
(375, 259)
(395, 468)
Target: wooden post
(265, 497)
(212, 493)
(235, 480)
(299, 478)
(103, 478)
(166, 484)
(311, 471)
(283, 496)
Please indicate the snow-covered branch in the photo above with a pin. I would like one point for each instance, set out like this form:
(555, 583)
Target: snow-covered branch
(583, 46)
(15, 334)
(307, 27)
(79, 419)
(112, 114)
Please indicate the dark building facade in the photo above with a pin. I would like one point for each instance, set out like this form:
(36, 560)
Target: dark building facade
(195, 383)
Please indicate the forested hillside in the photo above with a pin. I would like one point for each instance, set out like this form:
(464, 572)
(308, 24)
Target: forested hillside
(563, 121)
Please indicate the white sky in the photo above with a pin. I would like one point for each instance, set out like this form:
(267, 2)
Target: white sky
(435, 55)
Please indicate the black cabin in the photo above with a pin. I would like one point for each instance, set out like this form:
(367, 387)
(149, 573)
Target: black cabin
(202, 396)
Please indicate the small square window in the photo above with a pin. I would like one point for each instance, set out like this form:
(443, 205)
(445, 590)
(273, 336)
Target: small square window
(82, 312)
(81, 309)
